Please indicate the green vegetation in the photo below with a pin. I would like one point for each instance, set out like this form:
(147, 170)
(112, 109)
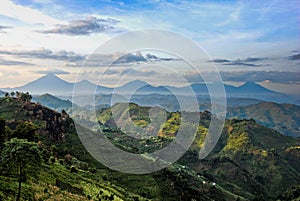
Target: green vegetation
(19, 156)
(284, 118)
(53, 102)
(250, 161)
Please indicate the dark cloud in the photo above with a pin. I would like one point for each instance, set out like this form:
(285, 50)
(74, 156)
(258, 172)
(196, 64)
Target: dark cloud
(295, 57)
(100, 60)
(86, 26)
(220, 60)
(240, 63)
(45, 54)
(52, 71)
(130, 58)
(250, 62)
(282, 77)
(5, 62)
(4, 27)
(138, 57)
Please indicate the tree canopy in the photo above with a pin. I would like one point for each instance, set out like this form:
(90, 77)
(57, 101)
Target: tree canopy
(26, 130)
(19, 156)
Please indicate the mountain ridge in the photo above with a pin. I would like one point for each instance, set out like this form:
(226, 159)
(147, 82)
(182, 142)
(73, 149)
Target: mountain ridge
(52, 78)
(50, 83)
(284, 118)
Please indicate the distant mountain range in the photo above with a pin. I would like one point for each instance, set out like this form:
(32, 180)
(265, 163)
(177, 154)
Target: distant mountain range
(54, 85)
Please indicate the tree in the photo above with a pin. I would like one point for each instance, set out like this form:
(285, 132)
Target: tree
(12, 94)
(2, 132)
(20, 156)
(26, 130)
(6, 95)
(24, 97)
(18, 94)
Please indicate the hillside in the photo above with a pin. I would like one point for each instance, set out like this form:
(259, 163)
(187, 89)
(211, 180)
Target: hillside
(250, 160)
(68, 172)
(284, 118)
(53, 102)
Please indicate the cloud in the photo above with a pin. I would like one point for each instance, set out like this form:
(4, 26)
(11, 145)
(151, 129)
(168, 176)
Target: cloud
(242, 62)
(131, 58)
(4, 27)
(134, 73)
(295, 57)
(45, 54)
(220, 60)
(111, 72)
(234, 16)
(5, 62)
(86, 26)
(254, 59)
(139, 57)
(25, 14)
(118, 59)
(283, 77)
(239, 63)
(52, 71)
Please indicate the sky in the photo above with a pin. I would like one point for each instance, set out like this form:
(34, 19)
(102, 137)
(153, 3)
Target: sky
(247, 41)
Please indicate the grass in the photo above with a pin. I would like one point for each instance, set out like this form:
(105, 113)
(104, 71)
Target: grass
(249, 161)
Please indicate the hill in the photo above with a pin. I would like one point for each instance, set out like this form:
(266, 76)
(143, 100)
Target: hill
(53, 102)
(249, 160)
(68, 172)
(284, 118)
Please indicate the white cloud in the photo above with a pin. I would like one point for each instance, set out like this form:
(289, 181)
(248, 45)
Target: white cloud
(234, 16)
(25, 14)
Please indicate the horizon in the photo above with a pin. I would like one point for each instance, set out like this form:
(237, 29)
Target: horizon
(131, 81)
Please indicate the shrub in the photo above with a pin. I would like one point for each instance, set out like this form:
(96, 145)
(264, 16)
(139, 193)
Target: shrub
(74, 169)
(61, 161)
(52, 159)
(68, 159)
(93, 170)
(83, 166)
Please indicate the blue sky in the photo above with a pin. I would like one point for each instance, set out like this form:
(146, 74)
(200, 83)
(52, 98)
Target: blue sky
(266, 31)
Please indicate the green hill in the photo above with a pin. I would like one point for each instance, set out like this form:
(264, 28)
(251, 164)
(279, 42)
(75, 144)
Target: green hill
(284, 118)
(250, 160)
(53, 102)
(68, 172)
